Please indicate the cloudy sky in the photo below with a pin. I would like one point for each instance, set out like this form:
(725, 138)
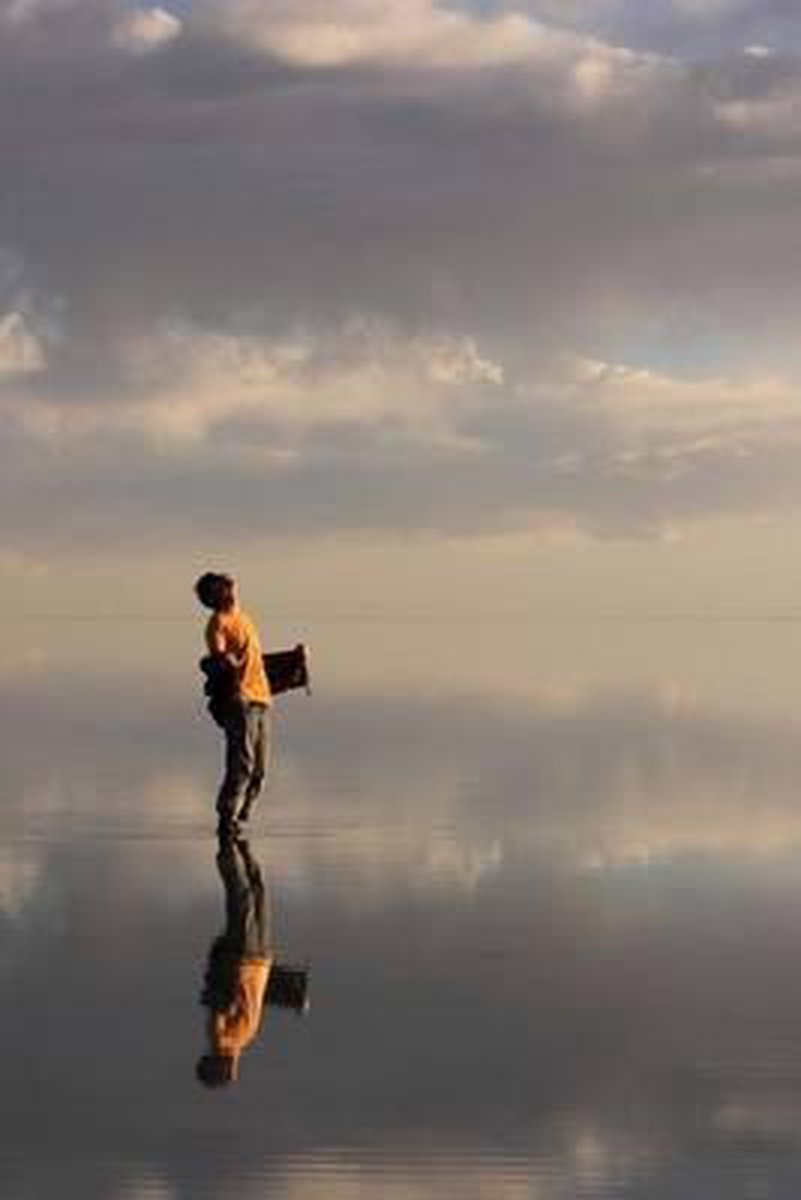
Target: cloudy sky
(466, 301)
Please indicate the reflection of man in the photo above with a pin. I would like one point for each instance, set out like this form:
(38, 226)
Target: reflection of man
(242, 974)
(239, 965)
(233, 641)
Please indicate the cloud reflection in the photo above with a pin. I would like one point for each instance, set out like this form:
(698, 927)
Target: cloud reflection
(448, 789)
(489, 1013)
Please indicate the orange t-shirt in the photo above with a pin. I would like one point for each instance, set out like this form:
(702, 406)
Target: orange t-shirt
(236, 1027)
(234, 633)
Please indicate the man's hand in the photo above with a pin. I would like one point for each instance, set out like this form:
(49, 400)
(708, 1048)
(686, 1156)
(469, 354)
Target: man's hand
(216, 644)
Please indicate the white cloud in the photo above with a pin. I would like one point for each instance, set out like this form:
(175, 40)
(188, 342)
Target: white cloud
(759, 1117)
(20, 877)
(366, 373)
(583, 1157)
(383, 31)
(776, 116)
(413, 37)
(146, 29)
(644, 401)
(587, 443)
(457, 361)
(710, 9)
(20, 12)
(145, 1187)
(429, 1176)
(21, 352)
(644, 839)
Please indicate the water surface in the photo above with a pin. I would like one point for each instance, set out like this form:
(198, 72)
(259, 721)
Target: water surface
(546, 879)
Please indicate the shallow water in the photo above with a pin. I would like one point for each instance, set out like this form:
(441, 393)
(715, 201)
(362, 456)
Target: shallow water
(546, 880)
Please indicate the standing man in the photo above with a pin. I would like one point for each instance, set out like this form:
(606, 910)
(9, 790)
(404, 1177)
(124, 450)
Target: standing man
(233, 643)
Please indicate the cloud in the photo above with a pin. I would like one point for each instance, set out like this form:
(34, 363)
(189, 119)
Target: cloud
(343, 270)
(690, 28)
(146, 29)
(424, 38)
(383, 32)
(600, 783)
(186, 384)
(775, 118)
(21, 352)
(711, 10)
(20, 880)
(588, 1156)
(655, 783)
(369, 427)
(619, 979)
(145, 1186)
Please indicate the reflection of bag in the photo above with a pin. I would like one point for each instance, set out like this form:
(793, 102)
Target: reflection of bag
(287, 987)
(286, 671)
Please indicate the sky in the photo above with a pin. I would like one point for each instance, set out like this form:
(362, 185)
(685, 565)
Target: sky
(398, 304)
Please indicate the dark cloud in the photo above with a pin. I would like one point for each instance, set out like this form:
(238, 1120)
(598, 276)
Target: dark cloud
(205, 178)
(529, 205)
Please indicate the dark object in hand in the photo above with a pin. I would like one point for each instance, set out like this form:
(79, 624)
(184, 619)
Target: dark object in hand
(287, 983)
(287, 987)
(286, 671)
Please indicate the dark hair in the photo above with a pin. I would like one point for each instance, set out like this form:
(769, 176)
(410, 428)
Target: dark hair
(211, 589)
(215, 1070)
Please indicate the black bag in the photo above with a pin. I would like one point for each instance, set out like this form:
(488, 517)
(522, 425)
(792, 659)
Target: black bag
(286, 671)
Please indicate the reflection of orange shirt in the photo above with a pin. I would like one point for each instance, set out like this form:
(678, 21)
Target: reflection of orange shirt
(237, 633)
(236, 1027)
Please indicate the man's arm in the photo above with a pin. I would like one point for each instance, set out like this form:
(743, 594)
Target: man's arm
(215, 640)
(217, 644)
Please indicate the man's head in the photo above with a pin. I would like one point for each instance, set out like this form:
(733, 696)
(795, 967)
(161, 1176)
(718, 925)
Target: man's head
(215, 591)
(216, 1070)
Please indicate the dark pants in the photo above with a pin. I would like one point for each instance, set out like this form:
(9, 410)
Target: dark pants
(247, 918)
(248, 924)
(248, 740)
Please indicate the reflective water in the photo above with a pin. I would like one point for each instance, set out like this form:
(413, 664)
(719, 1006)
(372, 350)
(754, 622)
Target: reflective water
(546, 881)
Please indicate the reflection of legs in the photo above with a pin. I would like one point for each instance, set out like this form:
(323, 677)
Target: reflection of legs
(247, 916)
(239, 760)
(261, 734)
(258, 931)
(233, 872)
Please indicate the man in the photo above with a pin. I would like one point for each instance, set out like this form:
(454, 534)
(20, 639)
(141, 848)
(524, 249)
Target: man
(233, 642)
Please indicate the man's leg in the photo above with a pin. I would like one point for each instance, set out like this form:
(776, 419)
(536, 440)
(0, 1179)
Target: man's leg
(262, 750)
(239, 761)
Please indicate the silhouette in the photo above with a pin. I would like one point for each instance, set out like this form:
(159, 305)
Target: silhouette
(242, 975)
(245, 713)
(240, 682)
